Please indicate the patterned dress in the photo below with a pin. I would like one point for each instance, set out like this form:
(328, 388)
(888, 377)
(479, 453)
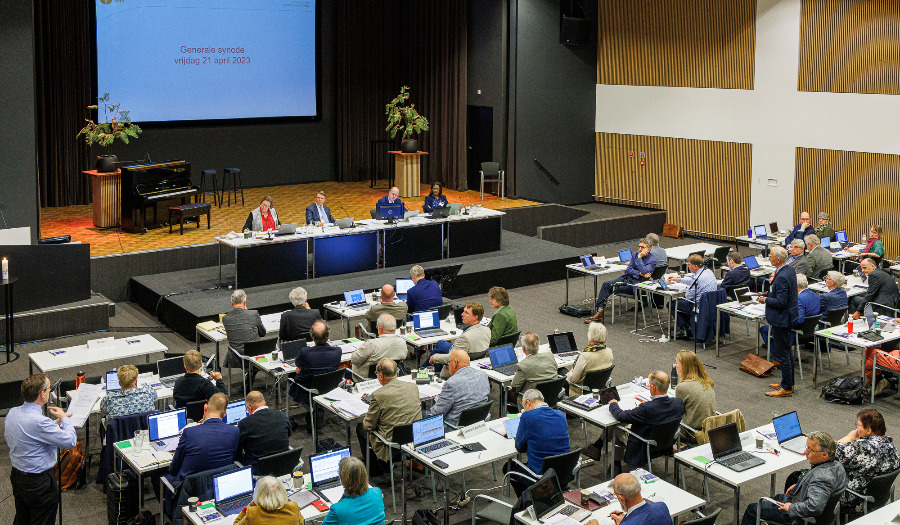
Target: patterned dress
(863, 459)
(132, 401)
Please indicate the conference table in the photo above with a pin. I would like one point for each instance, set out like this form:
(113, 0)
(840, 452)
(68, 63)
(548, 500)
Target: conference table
(843, 336)
(82, 355)
(607, 266)
(262, 259)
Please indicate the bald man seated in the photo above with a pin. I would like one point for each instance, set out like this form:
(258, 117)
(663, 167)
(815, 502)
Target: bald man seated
(262, 433)
(389, 304)
(466, 388)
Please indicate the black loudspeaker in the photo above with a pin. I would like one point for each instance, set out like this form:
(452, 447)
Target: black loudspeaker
(574, 31)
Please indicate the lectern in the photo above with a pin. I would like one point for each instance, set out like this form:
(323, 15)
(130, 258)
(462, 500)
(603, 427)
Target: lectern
(106, 194)
(408, 172)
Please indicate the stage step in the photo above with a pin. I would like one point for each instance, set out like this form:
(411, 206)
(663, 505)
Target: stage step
(80, 317)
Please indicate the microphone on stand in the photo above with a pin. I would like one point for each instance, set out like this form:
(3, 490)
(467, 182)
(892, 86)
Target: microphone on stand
(464, 211)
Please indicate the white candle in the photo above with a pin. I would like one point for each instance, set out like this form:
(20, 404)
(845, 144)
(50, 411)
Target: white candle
(5, 269)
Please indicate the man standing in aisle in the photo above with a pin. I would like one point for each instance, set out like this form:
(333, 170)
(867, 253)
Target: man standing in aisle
(34, 441)
(781, 310)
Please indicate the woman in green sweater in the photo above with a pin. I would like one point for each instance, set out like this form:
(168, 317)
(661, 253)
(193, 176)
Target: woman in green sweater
(695, 388)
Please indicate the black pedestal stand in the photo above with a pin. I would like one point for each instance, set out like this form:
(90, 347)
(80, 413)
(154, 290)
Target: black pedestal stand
(6, 284)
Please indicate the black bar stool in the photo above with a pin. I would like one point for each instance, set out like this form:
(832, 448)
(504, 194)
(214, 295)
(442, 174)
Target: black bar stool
(213, 176)
(235, 185)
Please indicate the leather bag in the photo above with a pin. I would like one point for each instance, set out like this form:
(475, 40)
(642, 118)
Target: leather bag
(71, 462)
(757, 366)
(672, 230)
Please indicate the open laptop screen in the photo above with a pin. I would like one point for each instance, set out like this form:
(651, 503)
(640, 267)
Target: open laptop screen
(355, 296)
(724, 440)
(235, 412)
(547, 495)
(426, 320)
(112, 381)
(625, 255)
(502, 355)
(587, 260)
(751, 262)
(759, 231)
(401, 286)
(826, 242)
(324, 467)
(561, 343)
(170, 367)
(233, 484)
(428, 430)
(787, 426)
(167, 424)
(840, 236)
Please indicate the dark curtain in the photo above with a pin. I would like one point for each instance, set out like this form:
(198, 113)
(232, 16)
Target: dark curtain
(383, 45)
(64, 88)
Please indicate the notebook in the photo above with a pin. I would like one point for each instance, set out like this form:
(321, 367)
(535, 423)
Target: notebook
(760, 231)
(235, 412)
(740, 295)
(503, 359)
(441, 212)
(112, 381)
(233, 491)
(344, 223)
(788, 432)
(826, 242)
(625, 255)
(725, 442)
(428, 437)
(355, 298)
(840, 236)
(165, 428)
(426, 324)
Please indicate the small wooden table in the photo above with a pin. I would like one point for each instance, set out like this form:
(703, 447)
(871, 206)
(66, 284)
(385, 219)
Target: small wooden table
(408, 172)
(106, 194)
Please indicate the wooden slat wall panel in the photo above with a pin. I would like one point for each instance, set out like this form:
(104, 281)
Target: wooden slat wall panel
(678, 43)
(703, 185)
(857, 189)
(850, 46)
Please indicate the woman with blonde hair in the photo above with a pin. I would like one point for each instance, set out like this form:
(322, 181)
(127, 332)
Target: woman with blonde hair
(270, 506)
(695, 388)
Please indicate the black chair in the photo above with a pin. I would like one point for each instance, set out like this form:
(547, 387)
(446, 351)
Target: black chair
(879, 490)
(552, 390)
(565, 465)
(709, 519)
(279, 464)
(373, 325)
(806, 332)
(491, 172)
(236, 185)
(474, 356)
(401, 371)
(253, 349)
(660, 441)
(194, 410)
(833, 318)
(10, 396)
(720, 256)
(213, 177)
(596, 379)
(508, 339)
(402, 435)
(474, 414)
(318, 384)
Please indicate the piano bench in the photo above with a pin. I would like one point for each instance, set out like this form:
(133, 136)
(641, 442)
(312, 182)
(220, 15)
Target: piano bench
(187, 211)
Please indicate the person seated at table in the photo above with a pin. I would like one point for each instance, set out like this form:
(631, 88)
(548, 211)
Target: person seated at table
(130, 399)
(435, 199)
(806, 498)
(635, 511)
(819, 259)
(388, 345)
(270, 505)
(695, 388)
(360, 504)
(534, 368)
(738, 274)
(700, 281)
(467, 387)
(865, 452)
(639, 269)
(241, 326)
(801, 230)
(393, 197)
(299, 320)
(824, 229)
(656, 250)
(209, 445)
(263, 218)
(395, 403)
(389, 304)
(595, 356)
(504, 321)
(424, 294)
(542, 432)
(874, 248)
(192, 386)
(314, 360)
(836, 297)
(808, 304)
(475, 339)
(797, 256)
(882, 289)
(318, 214)
(263, 432)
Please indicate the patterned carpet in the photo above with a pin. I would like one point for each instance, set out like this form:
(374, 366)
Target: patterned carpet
(356, 198)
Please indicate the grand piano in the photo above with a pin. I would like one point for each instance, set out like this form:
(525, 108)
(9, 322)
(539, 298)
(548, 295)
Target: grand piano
(146, 185)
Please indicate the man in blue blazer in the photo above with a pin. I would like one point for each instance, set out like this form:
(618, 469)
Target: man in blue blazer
(627, 490)
(801, 230)
(318, 214)
(781, 310)
(836, 297)
(808, 304)
(393, 197)
(738, 273)
(424, 294)
(314, 360)
(206, 446)
(661, 409)
(543, 432)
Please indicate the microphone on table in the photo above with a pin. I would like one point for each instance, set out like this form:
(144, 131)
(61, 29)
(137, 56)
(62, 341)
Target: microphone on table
(352, 223)
(462, 206)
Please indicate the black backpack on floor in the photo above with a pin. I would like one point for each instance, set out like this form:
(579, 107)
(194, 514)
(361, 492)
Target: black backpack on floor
(845, 390)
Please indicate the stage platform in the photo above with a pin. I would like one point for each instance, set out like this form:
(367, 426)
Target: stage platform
(181, 299)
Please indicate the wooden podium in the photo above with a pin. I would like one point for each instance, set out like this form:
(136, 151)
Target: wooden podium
(106, 194)
(408, 172)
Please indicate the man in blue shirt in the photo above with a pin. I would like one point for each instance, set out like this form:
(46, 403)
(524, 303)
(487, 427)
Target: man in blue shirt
(543, 432)
(34, 441)
(318, 214)
(700, 281)
(424, 294)
(639, 268)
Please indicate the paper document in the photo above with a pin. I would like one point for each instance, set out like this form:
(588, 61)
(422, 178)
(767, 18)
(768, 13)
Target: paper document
(349, 348)
(271, 318)
(354, 406)
(560, 519)
(209, 326)
(428, 391)
(755, 309)
(339, 394)
(333, 494)
(83, 402)
(367, 387)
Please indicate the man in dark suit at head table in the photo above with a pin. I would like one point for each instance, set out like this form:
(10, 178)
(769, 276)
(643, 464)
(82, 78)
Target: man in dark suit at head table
(318, 214)
(264, 432)
(241, 326)
(393, 197)
(299, 320)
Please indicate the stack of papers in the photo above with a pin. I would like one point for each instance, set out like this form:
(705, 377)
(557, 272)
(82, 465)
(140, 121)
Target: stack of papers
(354, 406)
(83, 402)
(428, 391)
(367, 387)
(339, 394)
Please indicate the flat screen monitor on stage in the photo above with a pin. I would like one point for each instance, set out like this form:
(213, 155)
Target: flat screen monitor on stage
(345, 254)
(389, 211)
(230, 59)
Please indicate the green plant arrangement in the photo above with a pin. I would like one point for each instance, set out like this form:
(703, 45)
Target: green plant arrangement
(403, 117)
(116, 125)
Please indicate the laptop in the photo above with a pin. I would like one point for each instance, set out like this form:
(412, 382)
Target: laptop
(625, 255)
(741, 295)
(503, 359)
(455, 208)
(787, 430)
(760, 232)
(725, 442)
(750, 262)
(112, 381)
(289, 352)
(355, 298)
(165, 428)
(235, 412)
(428, 437)
(323, 469)
(401, 286)
(773, 227)
(170, 370)
(588, 262)
(287, 229)
(663, 285)
(826, 242)
(427, 324)
(344, 223)
(840, 237)
(548, 501)
(441, 212)
(410, 214)
(608, 394)
(233, 491)
(563, 345)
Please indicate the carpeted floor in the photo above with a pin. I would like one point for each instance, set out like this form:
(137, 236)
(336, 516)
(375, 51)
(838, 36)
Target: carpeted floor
(346, 199)
(536, 308)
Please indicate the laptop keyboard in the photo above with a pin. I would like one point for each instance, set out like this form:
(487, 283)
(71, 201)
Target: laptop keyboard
(509, 369)
(431, 332)
(568, 510)
(566, 355)
(798, 444)
(234, 507)
(434, 446)
(168, 382)
(740, 457)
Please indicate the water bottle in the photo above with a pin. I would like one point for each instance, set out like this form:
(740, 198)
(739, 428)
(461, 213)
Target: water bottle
(79, 378)
(674, 377)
